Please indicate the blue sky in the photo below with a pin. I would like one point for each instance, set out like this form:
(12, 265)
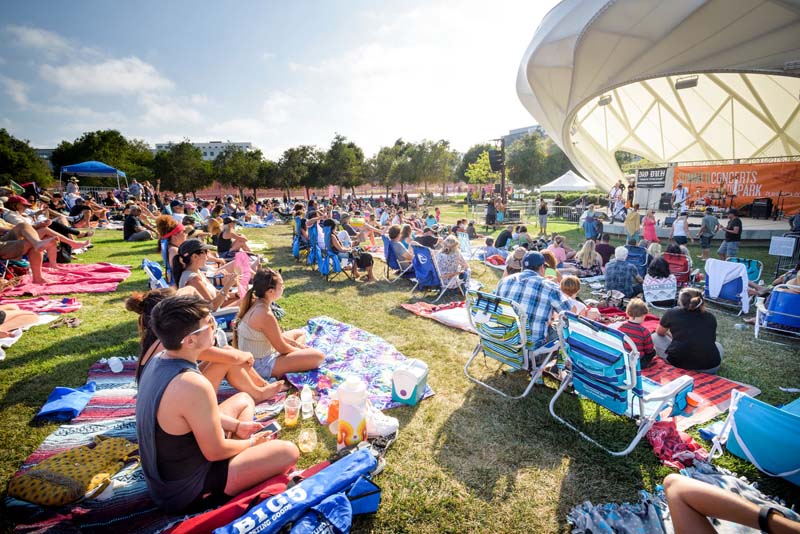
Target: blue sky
(275, 74)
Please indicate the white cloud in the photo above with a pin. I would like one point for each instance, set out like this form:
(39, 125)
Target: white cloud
(128, 75)
(16, 90)
(279, 106)
(47, 42)
(267, 56)
(164, 110)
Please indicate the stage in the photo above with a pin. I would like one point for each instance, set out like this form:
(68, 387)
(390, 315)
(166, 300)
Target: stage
(752, 229)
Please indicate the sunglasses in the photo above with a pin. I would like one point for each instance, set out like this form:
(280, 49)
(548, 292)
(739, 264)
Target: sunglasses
(212, 325)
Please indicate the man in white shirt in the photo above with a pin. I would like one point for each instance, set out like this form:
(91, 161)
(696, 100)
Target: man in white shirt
(679, 197)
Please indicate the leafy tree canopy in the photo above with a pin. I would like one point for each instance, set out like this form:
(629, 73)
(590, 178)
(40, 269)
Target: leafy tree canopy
(133, 156)
(480, 172)
(470, 156)
(19, 162)
(182, 169)
(525, 162)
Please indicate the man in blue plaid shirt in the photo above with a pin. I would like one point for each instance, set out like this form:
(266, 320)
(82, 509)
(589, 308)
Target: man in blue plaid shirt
(537, 296)
(621, 275)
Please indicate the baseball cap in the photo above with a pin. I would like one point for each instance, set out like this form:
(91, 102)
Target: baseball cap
(228, 220)
(532, 260)
(191, 246)
(189, 205)
(16, 199)
(732, 211)
(175, 203)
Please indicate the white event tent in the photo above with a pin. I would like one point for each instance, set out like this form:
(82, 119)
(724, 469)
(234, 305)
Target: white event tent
(676, 81)
(567, 182)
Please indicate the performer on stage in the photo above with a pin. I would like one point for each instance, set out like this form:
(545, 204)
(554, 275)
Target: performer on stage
(679, 197)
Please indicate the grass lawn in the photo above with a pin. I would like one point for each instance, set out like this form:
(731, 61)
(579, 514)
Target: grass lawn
(466, 460)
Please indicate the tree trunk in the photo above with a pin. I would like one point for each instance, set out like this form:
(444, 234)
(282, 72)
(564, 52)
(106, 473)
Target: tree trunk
(387, 191)
(255, 193)
(444, 190)
(308, 194)
(425, 183)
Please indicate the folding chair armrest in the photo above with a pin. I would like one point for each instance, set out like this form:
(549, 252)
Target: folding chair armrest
(760, 308)
(552, 345)
(671, 389)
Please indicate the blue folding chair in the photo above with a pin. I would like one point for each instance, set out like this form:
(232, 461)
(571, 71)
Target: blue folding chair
(427, 275)
(154, 273)
(782, 312)
(604, 368)
(299, 245)
(637, 256)
(766, 436)
(392, 263)
(313, 246)
(733, 293)
(164, 243)
(754, 267)
(504, 336)
(329, 263)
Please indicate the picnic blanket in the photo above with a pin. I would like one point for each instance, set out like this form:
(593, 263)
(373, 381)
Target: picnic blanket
(127, 506)
(73, 278)
(17, 334)
(350, 351)
(115, 397)
(44, 304)
(452, 314)
(713, 392)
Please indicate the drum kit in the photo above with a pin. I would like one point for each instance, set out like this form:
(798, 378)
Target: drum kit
(714, 198)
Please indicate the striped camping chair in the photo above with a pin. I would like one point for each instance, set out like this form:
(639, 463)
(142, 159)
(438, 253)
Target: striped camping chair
(604, 368)
(504, 337)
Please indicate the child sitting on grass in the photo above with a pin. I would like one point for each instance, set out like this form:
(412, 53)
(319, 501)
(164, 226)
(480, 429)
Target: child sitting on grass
(640, 335)
(491, 250)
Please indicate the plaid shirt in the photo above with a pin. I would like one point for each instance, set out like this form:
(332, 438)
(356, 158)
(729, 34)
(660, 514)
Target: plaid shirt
(538, 297)
(621, 275)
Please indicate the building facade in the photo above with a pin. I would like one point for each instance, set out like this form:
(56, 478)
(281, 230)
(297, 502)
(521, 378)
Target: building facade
(210, 149)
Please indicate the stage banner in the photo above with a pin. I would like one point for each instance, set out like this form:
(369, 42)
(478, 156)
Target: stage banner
(745, 182)
(651, 178)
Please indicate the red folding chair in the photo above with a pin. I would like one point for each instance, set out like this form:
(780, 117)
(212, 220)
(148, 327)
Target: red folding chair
(679, 267)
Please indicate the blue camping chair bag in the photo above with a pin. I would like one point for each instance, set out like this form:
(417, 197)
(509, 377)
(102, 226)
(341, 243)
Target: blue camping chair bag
(425, 268)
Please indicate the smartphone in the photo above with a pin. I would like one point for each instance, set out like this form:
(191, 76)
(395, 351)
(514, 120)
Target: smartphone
(270, 429)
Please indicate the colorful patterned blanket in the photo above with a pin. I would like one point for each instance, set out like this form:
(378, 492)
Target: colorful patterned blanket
(350, 350)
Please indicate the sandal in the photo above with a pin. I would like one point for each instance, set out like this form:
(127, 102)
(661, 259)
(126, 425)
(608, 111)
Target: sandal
(73, 322)
(58, 323)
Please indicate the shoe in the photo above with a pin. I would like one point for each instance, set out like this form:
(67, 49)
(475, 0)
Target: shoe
(380, 425)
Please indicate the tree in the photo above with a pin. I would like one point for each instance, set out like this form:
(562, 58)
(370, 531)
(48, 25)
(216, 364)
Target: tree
(315, 174)
(133, 156)
(236, 168)
(525, 162)
(480, 172)
(19, 162)
(182, 169)
(556, 162)
(471, 156)
(293, 167)
(344, 163)
(384, 167)
(267, 175)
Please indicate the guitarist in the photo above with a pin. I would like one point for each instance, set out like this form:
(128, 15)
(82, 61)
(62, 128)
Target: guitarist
(679, 197)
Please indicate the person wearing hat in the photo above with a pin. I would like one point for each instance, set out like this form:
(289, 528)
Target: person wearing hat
(191, 257)
(733, 235)
(15, 214)
(428, 238)
(72, 186)
(514, 261)
(680, 229)
(449, 260)
(679, 197)
(538, 297)
(228, 241)
(176, 208)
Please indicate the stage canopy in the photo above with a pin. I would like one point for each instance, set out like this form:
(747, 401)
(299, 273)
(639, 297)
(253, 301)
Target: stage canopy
(677, 81)
(569, 181)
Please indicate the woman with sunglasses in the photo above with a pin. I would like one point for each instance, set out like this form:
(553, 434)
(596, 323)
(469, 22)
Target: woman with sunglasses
(186, 268)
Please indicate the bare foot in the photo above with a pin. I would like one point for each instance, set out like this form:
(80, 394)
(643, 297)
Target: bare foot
(42, 281)
(270, 390)
(44, 243)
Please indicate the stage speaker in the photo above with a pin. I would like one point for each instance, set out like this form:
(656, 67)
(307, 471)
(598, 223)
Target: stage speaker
(496, 160)
(665, 204)
(761, 208)
(497, 189)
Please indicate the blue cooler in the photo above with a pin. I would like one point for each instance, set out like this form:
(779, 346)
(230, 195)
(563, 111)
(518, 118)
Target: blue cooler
(409, 381)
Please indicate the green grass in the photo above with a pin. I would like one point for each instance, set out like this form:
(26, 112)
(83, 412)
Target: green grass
(466, 460)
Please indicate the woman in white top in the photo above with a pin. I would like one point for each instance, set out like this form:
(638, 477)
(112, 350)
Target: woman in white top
(191, 257)
(680, 229)
(258, 332)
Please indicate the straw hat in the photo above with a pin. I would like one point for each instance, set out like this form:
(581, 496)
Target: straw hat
(515, 258)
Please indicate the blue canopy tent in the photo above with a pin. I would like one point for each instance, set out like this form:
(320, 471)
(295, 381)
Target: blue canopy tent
(93, 168)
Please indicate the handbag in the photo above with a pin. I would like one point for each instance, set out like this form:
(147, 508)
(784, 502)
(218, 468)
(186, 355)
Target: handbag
(75, 474)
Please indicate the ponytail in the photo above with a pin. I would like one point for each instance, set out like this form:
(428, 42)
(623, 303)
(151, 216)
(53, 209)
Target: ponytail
(691, 299)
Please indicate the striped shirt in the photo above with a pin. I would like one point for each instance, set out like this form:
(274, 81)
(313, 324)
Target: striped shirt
(641, 337)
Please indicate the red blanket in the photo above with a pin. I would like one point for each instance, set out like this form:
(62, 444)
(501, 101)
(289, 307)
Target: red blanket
(650, 320)
(73, 278)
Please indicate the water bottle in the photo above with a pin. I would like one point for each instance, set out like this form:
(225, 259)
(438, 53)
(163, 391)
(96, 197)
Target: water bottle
(306, 401)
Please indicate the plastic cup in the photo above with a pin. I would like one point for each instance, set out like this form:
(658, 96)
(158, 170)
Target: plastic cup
(307, 441)
(291, 411)
(115, 364)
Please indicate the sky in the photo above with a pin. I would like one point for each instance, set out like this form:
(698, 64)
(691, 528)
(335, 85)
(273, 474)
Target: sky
(274, 74)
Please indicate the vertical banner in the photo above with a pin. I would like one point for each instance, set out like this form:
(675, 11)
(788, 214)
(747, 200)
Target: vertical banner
(744, 183)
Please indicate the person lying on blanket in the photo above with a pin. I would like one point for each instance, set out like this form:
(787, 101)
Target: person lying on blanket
(22, 240)
(257, 331)
(12, 318)
(186, 269)
(188, 462)
(234, 365)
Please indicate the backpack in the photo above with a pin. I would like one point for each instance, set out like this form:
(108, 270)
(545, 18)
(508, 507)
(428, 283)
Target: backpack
(75, 474)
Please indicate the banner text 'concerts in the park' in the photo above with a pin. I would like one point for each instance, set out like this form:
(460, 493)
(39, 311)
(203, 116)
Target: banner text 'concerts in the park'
(778, 181)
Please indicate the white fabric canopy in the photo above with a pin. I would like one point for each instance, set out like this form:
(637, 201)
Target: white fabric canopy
(684, 80)
(569, 181)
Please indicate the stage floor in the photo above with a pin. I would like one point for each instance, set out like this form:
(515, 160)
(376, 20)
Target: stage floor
(752, 229)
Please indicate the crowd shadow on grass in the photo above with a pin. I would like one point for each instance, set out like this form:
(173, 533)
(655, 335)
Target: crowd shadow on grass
(82, 349)
(498, 447)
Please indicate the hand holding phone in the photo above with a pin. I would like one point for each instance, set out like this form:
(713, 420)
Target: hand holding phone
(268, 430)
